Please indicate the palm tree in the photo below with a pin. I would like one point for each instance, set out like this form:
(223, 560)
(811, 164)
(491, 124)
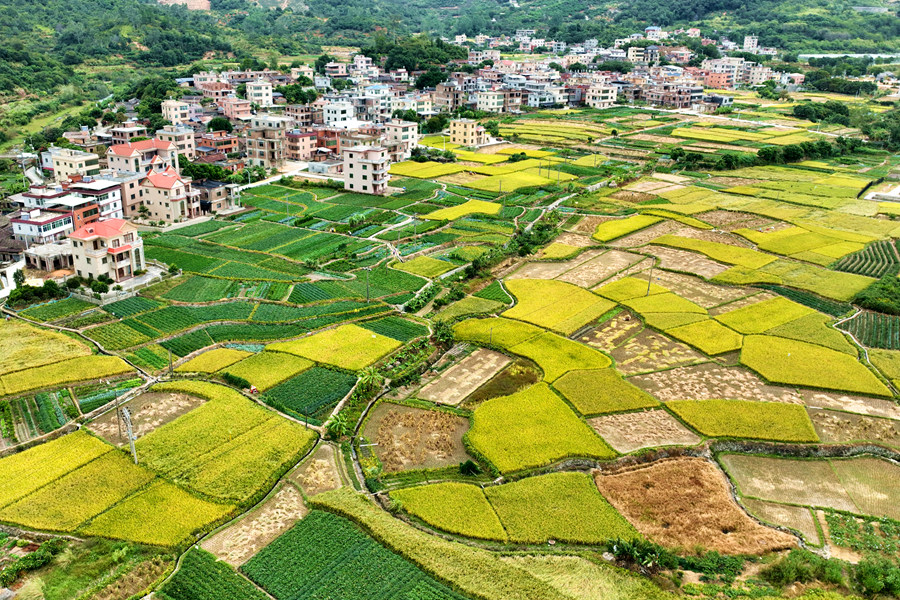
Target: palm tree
(370, 380)
(337, 426)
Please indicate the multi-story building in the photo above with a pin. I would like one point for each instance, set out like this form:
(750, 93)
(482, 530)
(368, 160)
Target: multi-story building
(404, 134)
(259, 92)
(304, 115)
(67, 162)
(143, 156)
(105, 193)
(338, 114)
(39, 226)
(219, 141)
(490, 101)
(235, 109)
(168, 197)
(751, 43)
(302, 71)
(265, 144)
(182, 137)
(215, 196)
(176, 111)
(366, 169)
(299, 145)
(448, 96)
(673, 95)
(336, 69)
(601, 96)
(127, 131)
(467, 132)
(110, 247)
(216, 90)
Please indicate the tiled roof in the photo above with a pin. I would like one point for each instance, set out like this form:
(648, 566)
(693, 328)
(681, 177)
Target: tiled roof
(105, 229)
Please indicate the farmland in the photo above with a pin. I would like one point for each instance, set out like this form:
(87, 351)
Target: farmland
(521, 370)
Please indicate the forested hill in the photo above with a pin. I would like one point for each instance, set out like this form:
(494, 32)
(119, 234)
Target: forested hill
(44, 39)
(797, 25)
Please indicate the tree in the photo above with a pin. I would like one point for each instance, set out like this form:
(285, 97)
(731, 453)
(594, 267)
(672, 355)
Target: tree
(430, 78)
(219, 124)
(19, 277)
(319, 65)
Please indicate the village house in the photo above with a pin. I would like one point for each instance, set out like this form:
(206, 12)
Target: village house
(111, 247)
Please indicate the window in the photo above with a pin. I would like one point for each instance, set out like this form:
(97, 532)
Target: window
(88, 260)
(104, 260)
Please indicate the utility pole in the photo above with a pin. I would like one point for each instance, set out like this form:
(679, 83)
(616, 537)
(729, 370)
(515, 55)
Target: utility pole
(367, 283)
(649, 280)
(126, 415)
(170, 363)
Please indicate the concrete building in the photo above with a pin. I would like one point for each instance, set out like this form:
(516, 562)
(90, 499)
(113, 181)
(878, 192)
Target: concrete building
(404, 134)
(339, 114)
(235, 109)
(67, 162)
(490, 101)
(299, 145)
(467, 132)
(39, 226)
(182, 137)
(366, 169)
(259, 92)
(266, 141)
(751, 43)
(143, 156)
(601, 96)
(219, 141)
(168, 197)
(106, 194)
(127, 131)
(111, 247)
(176, 111)
(216, 196)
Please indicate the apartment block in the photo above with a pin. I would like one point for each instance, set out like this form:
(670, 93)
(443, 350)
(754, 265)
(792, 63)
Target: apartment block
(467, 132)
(366, 169)
(111, 247)
(259, 92)
(601, 96)
(181, 137)
(67, 162)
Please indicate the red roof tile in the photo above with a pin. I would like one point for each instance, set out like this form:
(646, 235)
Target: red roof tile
(105, 229)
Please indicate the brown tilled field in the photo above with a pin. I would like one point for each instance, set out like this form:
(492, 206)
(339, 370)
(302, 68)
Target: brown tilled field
(876, 407)
(237, 543)
(463, 378)
(728, 220)
(415, 438)
(798, 518)
(687, 262)
(320, 472)
(596, 270)
(841, 428)
(613, 332)
(646, 235)
(685, 503)
(148, 411)
(710, 381)
(651, 351)
(695, 289)
(628, 432)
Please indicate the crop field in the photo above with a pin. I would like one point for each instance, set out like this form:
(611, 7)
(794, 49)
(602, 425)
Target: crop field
(687, 501)
(23, 346)
(569, 509)
(58, 309)
(399, 329)
(710, 337)
(876, 260)
(131, 306)
(775, 421)
(494, 292)
(451, 213)
(556, 305)
(781, 360)
(600, 391)
(197, 451)
(212, 361)
(875, 330)
(458, 508)
(762, 316)
(425, 266)
(556, 355)
(202, 577)
(73, 370)
(348, 347)
(627, 432)
(611, 230)
(327, 556)
(732, 255)
(202, 289)
(268, 368)
(311, 394)
(530, 429)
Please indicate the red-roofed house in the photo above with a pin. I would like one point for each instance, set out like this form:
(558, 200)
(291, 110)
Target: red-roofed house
(169, 197)
(111, 247)
(144, 156)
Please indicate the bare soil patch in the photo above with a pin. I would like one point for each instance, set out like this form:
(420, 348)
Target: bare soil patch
(730, 220)
(809, 482)
(710, 381)
(319, 473)
(614, 332)
(687, 262)
(714, 236)
(517, 376)
(415, 438)
(628, 432)
(686, 502)
(237, 543)
(592, 272)
(588, 225)
(647, 185)
(662, 139)
(876, 407)
(629, 196)
(651, 351)
(798, 518)
(573, 239)
(841, 428)
(148, 411)
(465, 377)
(741, 303)
(696, 290)
(644, 236)
(552, 270)
(872, 484)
